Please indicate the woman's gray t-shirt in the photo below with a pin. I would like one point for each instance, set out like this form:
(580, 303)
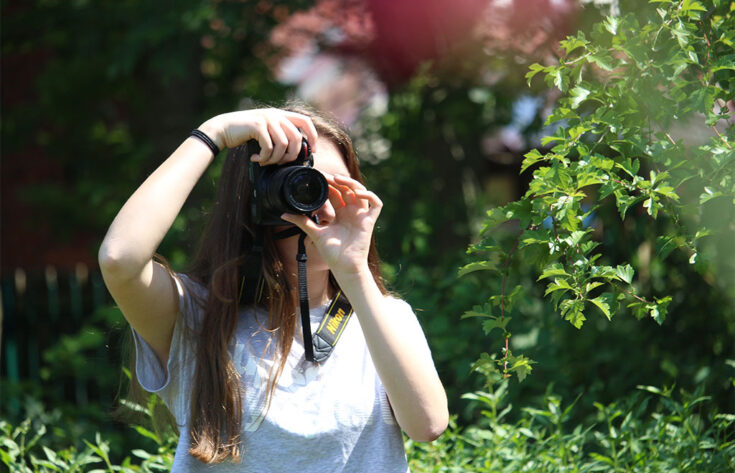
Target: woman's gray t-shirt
(332, 417)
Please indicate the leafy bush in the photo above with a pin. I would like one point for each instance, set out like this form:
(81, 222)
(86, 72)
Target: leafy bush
(650, 431)
(35, 445)
(626, 90)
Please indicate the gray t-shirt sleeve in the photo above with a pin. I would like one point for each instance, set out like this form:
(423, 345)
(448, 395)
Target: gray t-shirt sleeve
(151, 374)
(407, 319)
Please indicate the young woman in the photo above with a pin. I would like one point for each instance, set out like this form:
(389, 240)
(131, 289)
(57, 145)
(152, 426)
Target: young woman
(232, 369)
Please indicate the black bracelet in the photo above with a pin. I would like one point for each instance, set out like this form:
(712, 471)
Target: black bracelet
(206, 140)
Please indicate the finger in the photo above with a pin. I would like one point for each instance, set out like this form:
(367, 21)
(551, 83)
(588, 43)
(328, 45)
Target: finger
(371, 198)
(306, 126)
(348, 181)
(350, 193)
(371, 203)
(280, 143)
(346, 191)
(335, 198)
(264, 141)
(303, 222)
(294, 141)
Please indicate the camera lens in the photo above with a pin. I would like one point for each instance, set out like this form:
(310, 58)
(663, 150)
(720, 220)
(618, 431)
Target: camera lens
(305, 189)
(288, 188)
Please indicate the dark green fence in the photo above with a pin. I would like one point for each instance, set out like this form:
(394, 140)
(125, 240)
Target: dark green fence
(51, 320)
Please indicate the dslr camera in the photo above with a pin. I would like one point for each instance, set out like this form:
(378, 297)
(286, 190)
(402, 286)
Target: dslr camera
(294, 187)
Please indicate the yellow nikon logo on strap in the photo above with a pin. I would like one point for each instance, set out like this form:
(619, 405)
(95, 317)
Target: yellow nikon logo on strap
(331, 328)
(334, 322)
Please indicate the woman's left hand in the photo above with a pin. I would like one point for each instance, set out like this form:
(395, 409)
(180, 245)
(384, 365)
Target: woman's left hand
(344, 241)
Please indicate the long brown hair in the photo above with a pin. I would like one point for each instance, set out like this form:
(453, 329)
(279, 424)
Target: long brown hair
(226, 251)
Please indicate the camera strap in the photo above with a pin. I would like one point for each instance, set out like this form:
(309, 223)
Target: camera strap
(331, 327)
(318, 347)
(304, 299)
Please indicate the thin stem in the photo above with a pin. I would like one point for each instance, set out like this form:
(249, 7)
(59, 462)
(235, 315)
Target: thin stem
(671, 140)
(635, 296)
(720, 136)
(569, 63)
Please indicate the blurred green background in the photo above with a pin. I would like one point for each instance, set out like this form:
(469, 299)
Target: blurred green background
(95, 94)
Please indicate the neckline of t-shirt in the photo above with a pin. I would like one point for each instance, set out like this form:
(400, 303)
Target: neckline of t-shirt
(316, 313)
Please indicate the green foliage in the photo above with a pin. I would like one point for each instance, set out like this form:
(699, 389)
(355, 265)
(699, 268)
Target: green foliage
(117, 86)
(625, 89)
(653, 432)
(28, 447)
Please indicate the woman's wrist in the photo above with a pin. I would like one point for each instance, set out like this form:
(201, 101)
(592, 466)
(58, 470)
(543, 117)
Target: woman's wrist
(354, 277)
(214, 131)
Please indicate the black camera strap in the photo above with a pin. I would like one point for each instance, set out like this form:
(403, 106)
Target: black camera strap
(304, 299)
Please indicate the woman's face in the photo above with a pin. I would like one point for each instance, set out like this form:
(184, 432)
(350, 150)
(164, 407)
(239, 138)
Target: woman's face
(328, 160)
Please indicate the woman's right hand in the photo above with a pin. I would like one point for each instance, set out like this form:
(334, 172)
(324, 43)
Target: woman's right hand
(276, 131)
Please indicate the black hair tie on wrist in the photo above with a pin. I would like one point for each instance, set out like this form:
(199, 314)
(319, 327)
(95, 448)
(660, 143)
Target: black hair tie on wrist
(206, 140)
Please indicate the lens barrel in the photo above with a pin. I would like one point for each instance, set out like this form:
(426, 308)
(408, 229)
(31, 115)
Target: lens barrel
(294, 189)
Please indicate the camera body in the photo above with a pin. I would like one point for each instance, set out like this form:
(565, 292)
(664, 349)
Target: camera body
(294, 187)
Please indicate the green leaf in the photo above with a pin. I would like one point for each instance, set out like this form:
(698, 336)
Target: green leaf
(709, 194)
(640, 309)
(477, 311)
(574, 239)
(536, 237)
(494, 217)
(495, 322)
(611, 24)
(573, 42)
(553, 270)
(531, 158)
(147, 433)
(476, 266)
(573, 311)
(591, 285)
(520, 365)
(692, 5)
(624, 202)
(550, 139)
(558, 285)
(521, 210)
(558, 78)
(602, 458)
(665, 244)
(630, 166)
(579, 94)
(651, 205)
(701, 233)
(602, 162)
(141, 453)
(606, 303)
(603, 60)
(578, 130)
(660, 309)
(625, 273)
(534, 69)
(50, 454)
